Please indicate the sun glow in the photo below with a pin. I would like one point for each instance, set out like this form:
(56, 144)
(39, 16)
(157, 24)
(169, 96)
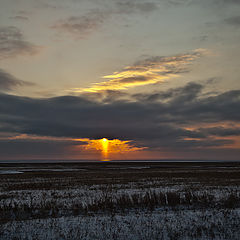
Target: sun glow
(105, 144)
(109, 148)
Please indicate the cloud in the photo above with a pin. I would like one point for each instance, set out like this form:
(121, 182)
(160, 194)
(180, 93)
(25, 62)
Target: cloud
(157, 121)
(209, 2)
(228, 1)
(28, 149)
(222, 131)
(21, 18)
(187, 93)
(82, 26)
(129, 7)
(12, 43)
(148, 71)
(235, 21)
(217, 6)
(9, 82)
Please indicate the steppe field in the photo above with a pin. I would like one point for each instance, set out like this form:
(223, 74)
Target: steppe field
(120, 200)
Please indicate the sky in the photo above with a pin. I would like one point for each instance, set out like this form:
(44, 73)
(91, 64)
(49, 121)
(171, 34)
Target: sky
(119, 79)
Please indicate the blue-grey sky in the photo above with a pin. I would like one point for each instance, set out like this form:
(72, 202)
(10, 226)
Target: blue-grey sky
(161, 74)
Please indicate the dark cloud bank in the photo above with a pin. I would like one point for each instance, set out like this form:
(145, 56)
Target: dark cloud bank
(157, 121)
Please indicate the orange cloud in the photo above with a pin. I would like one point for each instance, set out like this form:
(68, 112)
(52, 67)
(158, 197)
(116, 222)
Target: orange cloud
(109, 147)
(35, 137)
(234, 140)
(149, 71)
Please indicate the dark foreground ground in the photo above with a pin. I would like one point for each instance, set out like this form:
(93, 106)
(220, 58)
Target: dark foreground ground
(120, 200)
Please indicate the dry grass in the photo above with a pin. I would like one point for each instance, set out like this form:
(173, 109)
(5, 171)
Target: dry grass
(115, 188)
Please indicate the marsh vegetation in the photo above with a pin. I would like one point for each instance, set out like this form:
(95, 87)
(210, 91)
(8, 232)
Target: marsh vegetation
(120, 201)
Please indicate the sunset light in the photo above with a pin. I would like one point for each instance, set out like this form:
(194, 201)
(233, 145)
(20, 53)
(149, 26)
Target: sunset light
(119, 119)
(105, 143)
(108, 148)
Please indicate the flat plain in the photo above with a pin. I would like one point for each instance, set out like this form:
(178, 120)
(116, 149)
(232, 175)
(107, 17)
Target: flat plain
(120, 200)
